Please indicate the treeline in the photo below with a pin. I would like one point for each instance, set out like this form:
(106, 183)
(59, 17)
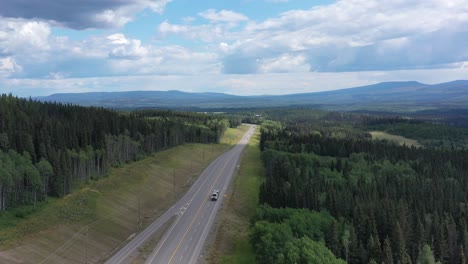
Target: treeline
(450, 116)
(212, 121)
(429, 133)
(46, 148)
(285, 235)
(389, 203)
(21, 181)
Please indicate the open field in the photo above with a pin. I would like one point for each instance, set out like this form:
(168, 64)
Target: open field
(88, 225)
(231, 242)
(398, 139)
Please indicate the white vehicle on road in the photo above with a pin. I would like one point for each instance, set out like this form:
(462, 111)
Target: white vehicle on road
(194, 216)
(215, 195)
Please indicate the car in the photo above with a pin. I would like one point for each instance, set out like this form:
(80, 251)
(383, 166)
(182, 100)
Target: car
(215, 195)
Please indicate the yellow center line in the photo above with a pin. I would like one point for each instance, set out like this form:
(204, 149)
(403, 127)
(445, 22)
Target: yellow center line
(196, 215)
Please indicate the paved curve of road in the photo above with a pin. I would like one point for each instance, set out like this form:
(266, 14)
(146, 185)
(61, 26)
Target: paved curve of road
(184, 240)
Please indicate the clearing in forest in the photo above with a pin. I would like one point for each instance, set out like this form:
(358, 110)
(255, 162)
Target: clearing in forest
(395, 138)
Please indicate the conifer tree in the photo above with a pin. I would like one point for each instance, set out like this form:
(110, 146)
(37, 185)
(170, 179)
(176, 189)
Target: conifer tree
(426, 256)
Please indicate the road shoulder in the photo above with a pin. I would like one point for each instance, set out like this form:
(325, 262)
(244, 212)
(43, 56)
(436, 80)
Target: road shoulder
(228, 242)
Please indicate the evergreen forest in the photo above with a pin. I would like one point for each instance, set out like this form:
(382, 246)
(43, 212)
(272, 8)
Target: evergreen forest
(332, 194)
(47, 149)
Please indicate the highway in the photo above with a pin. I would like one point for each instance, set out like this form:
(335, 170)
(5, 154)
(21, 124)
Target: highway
(185, 238)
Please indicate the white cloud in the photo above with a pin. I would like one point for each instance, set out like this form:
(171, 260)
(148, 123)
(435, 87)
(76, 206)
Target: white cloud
(223, 16)
(120, 13)
(169, 60)
(224, 47)
(18, 35)
(167, 28)
(57, 75)
(380, 38)
(8, 66)
(349, 35)
(110, 17)
(126, 48)
(32, 45)
(284, 63)
(219, 28)
(355, 35)
(117, 38)
(205, 32)
(41, 55)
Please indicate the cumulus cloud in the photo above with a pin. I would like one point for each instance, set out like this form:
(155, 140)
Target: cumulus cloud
(169, 60)
(220, 26)
(167, 28)
(356, 35)
(204, 32)
(223, 16)
(126, 48)
(32, 45)
(284, 63)
(16, 35)
(117, 39)
(79, 14)
(23, 44)
(349, 35)
(28, 50)
(311, 46)
(8, 66)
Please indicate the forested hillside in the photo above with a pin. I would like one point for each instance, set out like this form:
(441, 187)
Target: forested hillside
(397, 97)
(368, 201)
(48, 148)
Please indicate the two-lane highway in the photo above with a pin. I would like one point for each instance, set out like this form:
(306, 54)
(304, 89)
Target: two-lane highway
(184, 240)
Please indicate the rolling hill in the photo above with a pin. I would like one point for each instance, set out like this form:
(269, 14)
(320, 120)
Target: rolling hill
(388, 96)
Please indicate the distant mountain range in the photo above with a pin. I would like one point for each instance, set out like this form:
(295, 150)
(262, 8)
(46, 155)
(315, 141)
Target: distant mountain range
(388, 96)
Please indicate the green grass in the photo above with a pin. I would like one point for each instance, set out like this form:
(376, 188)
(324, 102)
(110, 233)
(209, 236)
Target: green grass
(231, 241)
(397, 139)
(98, 218)
(10, 218)
(232, 136)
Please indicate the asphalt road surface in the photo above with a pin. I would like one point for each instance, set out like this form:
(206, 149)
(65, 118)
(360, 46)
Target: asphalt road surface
(184, 240)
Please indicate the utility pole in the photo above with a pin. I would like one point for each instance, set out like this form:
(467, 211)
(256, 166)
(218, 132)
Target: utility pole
(139, 215)
(173, 173)
(86, 244)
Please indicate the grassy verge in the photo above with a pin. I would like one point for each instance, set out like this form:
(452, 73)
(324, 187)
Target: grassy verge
(91, 223)
(398, 139)
(146, 249)
(231, 242)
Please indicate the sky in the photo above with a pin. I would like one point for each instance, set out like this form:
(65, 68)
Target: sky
(242, 47)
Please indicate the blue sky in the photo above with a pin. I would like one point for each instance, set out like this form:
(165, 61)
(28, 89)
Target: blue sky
(245, 47)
